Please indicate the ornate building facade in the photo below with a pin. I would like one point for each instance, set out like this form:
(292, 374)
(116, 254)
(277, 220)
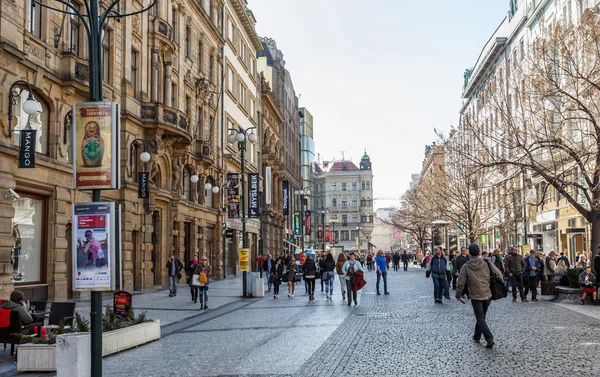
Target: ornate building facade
(164, 70)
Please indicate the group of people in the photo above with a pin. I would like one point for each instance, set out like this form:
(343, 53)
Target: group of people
(196, 269)
(394, 258)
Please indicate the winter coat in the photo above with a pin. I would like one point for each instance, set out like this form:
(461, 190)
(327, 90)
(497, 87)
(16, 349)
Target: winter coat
(438, 267)
(476, 276)
(309, 268)
(591, 279)
(292, 269)
(549, 266)
(357, 267)
(460, 261)
(328, 266)
(178, 267)
(26, 318)
(203, 269)
(404, 257)
(514, 264)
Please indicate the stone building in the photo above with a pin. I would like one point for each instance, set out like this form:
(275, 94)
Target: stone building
(163, 69)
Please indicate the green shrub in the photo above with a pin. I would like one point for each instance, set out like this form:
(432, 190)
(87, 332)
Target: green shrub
(110, 321)
(573, 276)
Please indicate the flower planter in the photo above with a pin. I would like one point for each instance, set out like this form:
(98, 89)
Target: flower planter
(72, 358)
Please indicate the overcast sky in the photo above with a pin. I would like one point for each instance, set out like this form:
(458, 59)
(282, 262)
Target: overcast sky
(379, 74)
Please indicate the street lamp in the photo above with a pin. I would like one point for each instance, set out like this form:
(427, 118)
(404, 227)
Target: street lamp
(242, 136)
(323, 212)
(30, 106)
(302, 193)
(358, 228)
(333, 221)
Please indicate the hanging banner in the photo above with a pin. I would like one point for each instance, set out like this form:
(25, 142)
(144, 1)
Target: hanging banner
(319, 231)
(286, 198)
(268, 183)
(93, 253)
(96, 146)
(143, 186)
(328, 234)
(233, 195)
(244, 265)
(297, 230)
(253, 204)
(27, 149)
(307, 224)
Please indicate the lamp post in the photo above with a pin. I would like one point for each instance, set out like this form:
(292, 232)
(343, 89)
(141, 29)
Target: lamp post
(30, 106)
(358, 228)
(323, 212)
(242, 136)
(303, 192)
(333, 221)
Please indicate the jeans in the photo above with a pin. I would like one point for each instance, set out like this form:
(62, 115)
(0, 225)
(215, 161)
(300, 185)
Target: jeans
(405, 265)
(329, 284)
(311, 286)
(342, 283)
(507, 280)
(379, 275)
(173, 285)
(532, 286)
(204, 294)
(440, 286)
(268, 277)
(351, 291)
(517, 282)
(276, 288)
(194, 291)
(480, 308)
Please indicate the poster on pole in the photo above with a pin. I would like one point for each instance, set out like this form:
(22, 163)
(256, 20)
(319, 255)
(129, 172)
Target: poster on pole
(297, 230)
(307, 223)
(328, 233)
(244, 259)
(95, 146)
(93, 240)
(253, 198)
(233, 195)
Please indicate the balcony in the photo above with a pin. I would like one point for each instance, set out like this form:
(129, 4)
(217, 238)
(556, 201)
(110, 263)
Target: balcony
(168, 119)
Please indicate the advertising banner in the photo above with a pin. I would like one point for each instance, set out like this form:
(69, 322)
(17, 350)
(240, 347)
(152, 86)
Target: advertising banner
(286, 197)
(268, 183)
(297, 230)
(453, 243)
(319, 231)
(27, 149)
(94, 244)
(143, 185)
(328, 237)
(307, 223)
(121, 303)
(233, 195)
(96, 145)
(244, 259)
(253, 204)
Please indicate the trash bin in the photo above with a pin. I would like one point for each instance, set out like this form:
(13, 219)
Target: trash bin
(258, 287)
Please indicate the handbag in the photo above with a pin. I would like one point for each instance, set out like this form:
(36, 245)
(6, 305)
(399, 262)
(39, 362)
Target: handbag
(196, 281)
(325, 275)
(427, 274)
(497, 286)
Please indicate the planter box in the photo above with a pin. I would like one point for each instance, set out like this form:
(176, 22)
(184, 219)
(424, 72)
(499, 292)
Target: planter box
(36, 358)
(73, 354)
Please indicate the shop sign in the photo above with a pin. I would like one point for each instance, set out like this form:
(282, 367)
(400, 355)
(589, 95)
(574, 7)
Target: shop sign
(297, 230)
(453, 243)
(143, 186)
(122, 303)
(93, 240)
(27, 149)
(96, 146)
(319, 231)
(327, 233)
(307, 223)
(286, 197)
(244, 260)
(233, 195)
(229, 233)
(253, 205)
(568, 212)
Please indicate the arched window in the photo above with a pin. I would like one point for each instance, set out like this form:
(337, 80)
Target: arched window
(37, 121)
(209, 195)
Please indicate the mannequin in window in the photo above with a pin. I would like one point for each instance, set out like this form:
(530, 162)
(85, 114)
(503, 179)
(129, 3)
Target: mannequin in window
(16, 251)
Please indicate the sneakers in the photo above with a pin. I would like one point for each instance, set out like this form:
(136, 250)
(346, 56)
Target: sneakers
(292, 295)
(343, 295)
(490, 344)
(525, 300)
(378, 294)
(289, 295)
(514, 300)
(205, 306)
(386, 293)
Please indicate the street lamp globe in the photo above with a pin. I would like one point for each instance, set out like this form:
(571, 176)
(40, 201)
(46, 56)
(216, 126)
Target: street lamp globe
(194, 178)
(215, 189)
(145, 156)
(231, 138)
(207, 186)
(31, 106)
(240, 137)
(252, 137)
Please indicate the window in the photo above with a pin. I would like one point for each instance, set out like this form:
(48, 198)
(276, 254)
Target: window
(354, 234)
(188, 104)
(188, 42)
(344, 220)
(211, 69)
(368, 185)
(199, 126)
(74, 36)
(334, 187)
(344, 203)
(200, 55)
(37, 121)
(355, 219)
(34, 21)
(175, 33)
(363, 185)
(354, 202)
(344, 234)
(106, 56)
(229, 29)
(343, 186)
(173, 95)
(28, 233)
(252, 67)
(187, 185)
(208, 195)
(230, 79)
(242, 98)
(252, 108)
(354, 186)
(334, 202)
(134, 73)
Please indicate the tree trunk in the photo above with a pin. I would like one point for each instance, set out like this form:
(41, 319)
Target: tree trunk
(595, 236)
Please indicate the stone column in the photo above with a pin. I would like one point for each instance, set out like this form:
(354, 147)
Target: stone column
(167, 84)
(154, 76)
(58, 290)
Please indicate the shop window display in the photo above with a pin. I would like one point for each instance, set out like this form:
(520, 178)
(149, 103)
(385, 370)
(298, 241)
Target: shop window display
(27, 235)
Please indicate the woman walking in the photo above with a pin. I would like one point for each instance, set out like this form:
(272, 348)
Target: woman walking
(350, 268)
(204, 273)
(189, 271)
(276, 274)
(341, 260)
(328, 275)
(309, 272)
(292, 269)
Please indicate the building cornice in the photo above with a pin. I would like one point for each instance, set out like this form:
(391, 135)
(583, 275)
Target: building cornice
(240, 10)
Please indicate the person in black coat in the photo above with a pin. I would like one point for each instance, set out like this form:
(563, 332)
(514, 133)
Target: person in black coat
(396, 259)
(404, 258)
(309, 271)
(275, 278)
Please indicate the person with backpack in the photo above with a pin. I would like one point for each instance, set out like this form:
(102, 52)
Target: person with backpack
(476, 275)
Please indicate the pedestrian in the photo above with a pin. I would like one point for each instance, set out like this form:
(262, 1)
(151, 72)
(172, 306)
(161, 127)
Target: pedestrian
(292, 269)
(260, 264)
(309, 271)
(560, 271)
(204, 272)
(328, 275)
(350, 268)
(596, 262)
(388, 259)
(476, 275)
(16, 303)
(532, 268)
(275, 276)
(369, 263)
(268, 267)
(437, 268)
(341, 260)
(515, 266)
(497, 260)
(405, 260)
(381, 267)
(587, 280)
(189, 271)
(174, 267)
(396, 260)
(320, 270)
(550, 266)
(564, 258)
(461, 260)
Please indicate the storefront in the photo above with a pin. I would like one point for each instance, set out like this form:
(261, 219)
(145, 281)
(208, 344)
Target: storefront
(572, 232)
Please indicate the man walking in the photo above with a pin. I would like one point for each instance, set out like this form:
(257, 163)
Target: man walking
(396, 260)
(515, 266)
(405, 260)
(460, 261)
(476, 275)
(532, 268)
(438, 265)
(267, 266)
(174, 267)
(381, 267)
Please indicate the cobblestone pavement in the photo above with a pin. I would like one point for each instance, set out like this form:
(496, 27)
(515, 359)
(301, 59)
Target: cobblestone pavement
(404, 334)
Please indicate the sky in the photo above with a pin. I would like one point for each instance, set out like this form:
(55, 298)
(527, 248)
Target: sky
(379, 75)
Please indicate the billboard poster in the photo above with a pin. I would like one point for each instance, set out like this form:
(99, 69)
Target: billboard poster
(96, 146)
(233, 195)
(297, 231)
(244, 265)
(27, 149)
(328, 234)
(253, 204)
(286, 197)
(453, 243)
(122, 303)
(319, 231)
(307, 224)
(93, 246)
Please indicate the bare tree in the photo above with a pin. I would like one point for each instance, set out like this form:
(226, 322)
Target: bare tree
(417, 217)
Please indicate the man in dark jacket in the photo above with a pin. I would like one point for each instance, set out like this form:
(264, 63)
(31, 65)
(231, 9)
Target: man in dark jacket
(174, 267)
(515, 266)
(596, 262)
(476, 274)
(438, 265)
(405, 260)
(267, 267)
(460, 261)
(396, 260)
(564, 258)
